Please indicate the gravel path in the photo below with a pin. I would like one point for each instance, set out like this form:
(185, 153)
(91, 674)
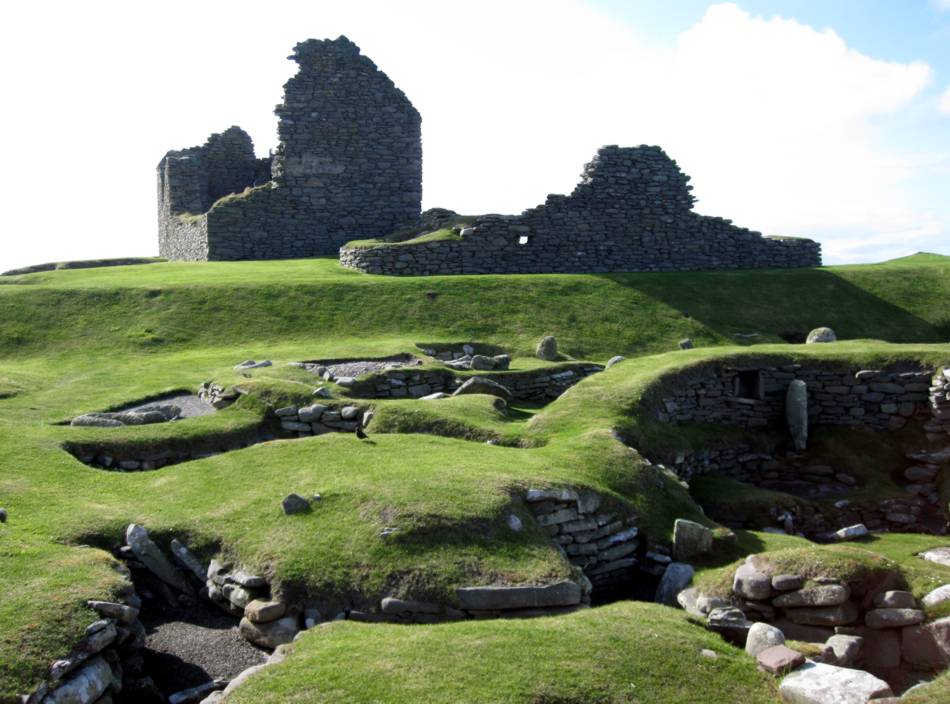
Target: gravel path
(188, 646)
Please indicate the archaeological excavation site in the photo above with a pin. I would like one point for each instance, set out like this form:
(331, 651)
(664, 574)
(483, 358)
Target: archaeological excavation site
(330, 447)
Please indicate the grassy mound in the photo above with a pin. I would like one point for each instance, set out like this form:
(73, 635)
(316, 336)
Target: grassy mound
(623, 653)
(878, 559)
(445, 234)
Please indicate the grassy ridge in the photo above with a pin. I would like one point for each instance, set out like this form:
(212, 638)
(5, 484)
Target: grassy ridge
(173, 306)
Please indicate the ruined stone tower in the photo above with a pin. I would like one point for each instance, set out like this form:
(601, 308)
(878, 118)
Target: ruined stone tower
(348, 166)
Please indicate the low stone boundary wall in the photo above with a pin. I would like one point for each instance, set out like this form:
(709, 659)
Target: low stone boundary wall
(426, 259)
(118, 458)
(303, 421)
(317, 419)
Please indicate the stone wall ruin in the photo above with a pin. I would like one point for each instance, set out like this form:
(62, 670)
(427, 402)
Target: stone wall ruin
(753, 396)
(349, 164)
(632, 211)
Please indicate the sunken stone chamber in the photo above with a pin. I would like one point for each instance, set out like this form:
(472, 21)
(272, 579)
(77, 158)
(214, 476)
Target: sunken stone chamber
(349, 164)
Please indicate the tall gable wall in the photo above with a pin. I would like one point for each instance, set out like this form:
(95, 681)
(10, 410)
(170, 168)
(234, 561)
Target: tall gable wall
(349, 165)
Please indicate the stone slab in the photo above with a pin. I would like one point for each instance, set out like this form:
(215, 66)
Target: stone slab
(506, 598)
(819, 683)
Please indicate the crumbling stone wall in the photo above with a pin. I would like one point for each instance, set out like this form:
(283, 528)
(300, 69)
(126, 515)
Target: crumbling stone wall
(632, 211)
(349, 165)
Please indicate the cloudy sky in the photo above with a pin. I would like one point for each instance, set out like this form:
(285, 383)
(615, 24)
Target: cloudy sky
(829, 120)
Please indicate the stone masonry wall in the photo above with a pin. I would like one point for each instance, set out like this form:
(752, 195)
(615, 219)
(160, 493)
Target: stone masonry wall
(190, 180)
(349, 165)
(632, 211)
(755, 397)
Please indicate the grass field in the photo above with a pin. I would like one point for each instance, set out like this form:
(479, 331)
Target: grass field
(74, 341)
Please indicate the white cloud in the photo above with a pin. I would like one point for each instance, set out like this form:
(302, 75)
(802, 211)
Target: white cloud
(942, 4)
(773, 119)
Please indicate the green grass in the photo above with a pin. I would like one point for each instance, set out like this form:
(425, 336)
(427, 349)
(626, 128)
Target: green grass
(172, 306)
(445, 234)
(77, 341)
(623, 653)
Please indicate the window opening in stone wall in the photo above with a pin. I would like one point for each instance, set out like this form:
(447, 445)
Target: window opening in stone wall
(523, 239)
(748, 384)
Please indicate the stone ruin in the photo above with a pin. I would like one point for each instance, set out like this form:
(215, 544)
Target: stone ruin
(632, 211)
(349, 164)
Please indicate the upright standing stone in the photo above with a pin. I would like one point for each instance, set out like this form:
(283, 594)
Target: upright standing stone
(675, 579)
(154, 559)
(761, 637)
(547, 349)
(690, 540)
(796, 413)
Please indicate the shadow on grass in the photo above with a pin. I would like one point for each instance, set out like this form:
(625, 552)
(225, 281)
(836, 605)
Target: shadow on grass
(733, 304)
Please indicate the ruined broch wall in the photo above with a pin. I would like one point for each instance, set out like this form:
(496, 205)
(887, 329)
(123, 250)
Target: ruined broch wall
(349, 164)
(632, 211)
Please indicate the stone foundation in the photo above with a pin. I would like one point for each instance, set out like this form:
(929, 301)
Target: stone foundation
(541, 385)
(104, 662)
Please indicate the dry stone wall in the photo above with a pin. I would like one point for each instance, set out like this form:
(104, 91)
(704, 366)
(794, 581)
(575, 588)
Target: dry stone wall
(602, 543)
(755, 397)
(939, 393)
(105, 661)
(349, 164)
(632, 211)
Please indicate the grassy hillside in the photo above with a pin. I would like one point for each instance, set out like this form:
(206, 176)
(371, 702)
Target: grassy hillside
(74, 341)
(175, 306)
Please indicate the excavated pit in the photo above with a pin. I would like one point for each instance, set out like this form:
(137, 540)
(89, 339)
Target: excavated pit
(350, 368)
(189, 641)
(190, 405)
